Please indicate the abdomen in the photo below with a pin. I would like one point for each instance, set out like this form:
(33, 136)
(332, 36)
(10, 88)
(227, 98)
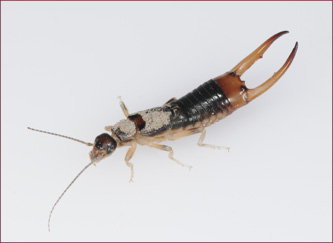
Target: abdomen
(201, 107)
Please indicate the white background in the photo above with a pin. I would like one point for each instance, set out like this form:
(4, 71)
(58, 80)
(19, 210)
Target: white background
(64, 64)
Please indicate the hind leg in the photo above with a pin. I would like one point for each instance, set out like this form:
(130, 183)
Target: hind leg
(128, 157)
(201, 139)
(170, 150)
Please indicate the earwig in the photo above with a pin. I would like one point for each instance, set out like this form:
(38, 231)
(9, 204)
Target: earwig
(177, 118)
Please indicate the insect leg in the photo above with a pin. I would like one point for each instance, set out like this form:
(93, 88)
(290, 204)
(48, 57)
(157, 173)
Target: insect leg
(171, 100)
(108, 128)
(170, 150)
(123, 107)
(201, 139)
(128, 156)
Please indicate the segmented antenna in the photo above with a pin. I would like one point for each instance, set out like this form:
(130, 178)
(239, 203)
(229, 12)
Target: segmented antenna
(49, 221)
(59, 135)
(62, 194)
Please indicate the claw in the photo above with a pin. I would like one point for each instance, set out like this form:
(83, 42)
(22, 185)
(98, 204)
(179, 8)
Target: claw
(254, 93)
(235, 89)
(248, 61)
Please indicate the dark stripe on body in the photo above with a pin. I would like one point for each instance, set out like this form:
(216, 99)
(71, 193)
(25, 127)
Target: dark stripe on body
(138, 121)
(200, 104)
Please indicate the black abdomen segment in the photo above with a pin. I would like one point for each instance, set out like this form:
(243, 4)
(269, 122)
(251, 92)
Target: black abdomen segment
(202, 103)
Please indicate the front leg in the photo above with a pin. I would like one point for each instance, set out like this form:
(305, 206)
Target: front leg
(123, 107)
(128, 157)
(108, 128)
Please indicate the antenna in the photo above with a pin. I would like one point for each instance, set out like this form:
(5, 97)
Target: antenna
(70, 184)
(62, 194)
(59, 135)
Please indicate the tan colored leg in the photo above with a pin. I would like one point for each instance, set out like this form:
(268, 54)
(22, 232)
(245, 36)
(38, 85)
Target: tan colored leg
(202, 137)
(123, 107)
(168, 149)
(128, 156)
(108, 128)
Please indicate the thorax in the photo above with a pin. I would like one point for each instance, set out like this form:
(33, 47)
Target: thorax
(149, 122)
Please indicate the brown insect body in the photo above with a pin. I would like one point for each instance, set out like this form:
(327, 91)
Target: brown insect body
(190, 114)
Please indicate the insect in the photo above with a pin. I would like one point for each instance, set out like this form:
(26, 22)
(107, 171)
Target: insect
(177, 118)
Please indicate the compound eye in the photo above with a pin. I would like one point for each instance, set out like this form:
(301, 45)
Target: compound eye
(109, 149)
(99, 145)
